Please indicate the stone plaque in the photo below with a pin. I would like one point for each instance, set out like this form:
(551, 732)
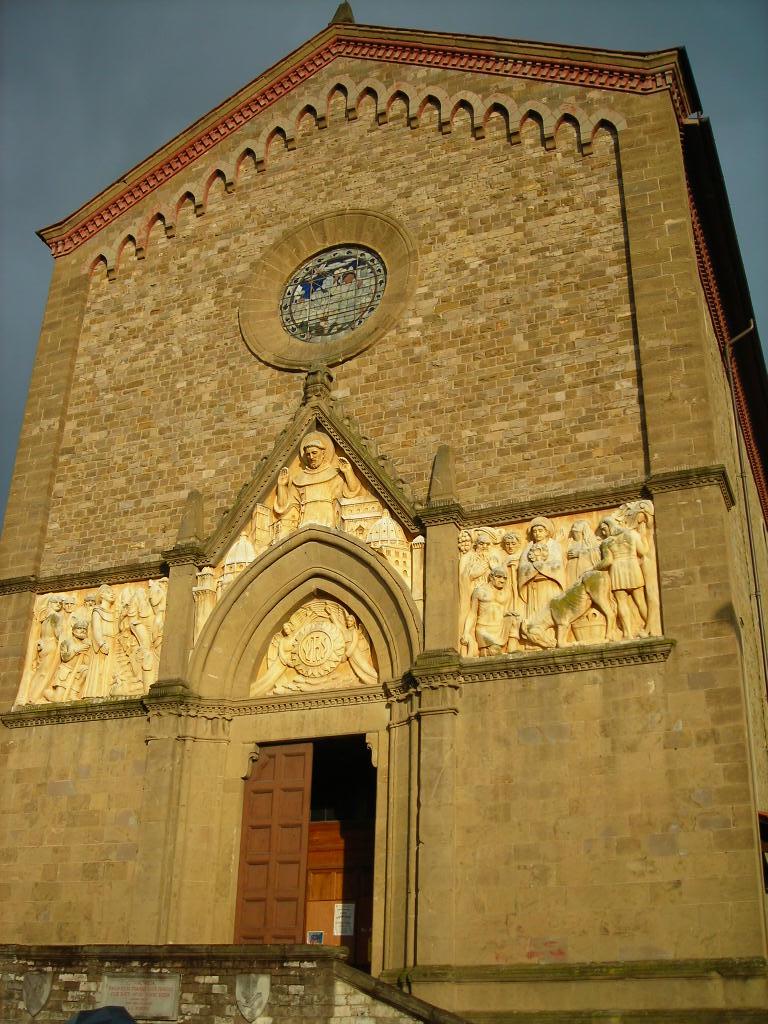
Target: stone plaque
(149, 996)
(35, 988)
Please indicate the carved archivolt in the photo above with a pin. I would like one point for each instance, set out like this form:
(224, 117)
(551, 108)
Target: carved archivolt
(322, 646)
(318, 488)
(88, 644)
(582, 579)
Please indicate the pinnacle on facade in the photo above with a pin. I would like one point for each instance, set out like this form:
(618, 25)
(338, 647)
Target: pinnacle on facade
(343, 15)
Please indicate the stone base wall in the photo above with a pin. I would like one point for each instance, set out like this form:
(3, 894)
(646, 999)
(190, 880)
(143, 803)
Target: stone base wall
(305, 983)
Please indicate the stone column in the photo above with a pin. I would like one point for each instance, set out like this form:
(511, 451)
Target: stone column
(439, 690)
(175, 891)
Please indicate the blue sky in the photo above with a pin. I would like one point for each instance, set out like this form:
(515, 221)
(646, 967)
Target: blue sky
(88, 88)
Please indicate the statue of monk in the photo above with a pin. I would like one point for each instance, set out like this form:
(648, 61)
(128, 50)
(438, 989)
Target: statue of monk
(310, 493)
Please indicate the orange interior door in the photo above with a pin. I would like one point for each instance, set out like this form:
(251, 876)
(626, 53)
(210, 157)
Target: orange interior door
(340, 874)
(273, 848)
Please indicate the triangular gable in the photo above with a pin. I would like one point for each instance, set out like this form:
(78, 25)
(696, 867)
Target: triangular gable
(316, 412)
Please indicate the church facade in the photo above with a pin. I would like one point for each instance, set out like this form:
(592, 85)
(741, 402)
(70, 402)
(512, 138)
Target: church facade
(383, 558)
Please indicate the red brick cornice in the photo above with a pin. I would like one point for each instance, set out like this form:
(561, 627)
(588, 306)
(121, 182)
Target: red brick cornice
(463, 55)
(720, 325)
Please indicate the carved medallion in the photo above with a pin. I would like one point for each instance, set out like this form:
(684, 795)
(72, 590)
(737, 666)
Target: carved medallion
(252, 994)
(318, 649)
(322, 646)
(36, 988)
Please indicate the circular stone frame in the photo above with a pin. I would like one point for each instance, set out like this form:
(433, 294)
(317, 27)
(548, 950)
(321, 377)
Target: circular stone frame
(259, 313)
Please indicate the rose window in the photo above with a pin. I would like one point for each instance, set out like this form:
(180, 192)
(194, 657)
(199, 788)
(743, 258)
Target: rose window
(333, 293)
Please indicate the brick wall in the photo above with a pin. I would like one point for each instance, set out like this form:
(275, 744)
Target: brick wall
(306, 983)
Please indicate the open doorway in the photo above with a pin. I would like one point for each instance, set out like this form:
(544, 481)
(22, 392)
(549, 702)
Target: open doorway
(306, 855)
(339, 898)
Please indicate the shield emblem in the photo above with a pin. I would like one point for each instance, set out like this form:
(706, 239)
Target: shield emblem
(252, 993)
(36, 987)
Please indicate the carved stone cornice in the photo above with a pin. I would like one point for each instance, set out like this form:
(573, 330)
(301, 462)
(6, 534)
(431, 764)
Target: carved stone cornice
(566, 659)
(725, 967)
(77, 711)
(576, 67)
(186, 554)
(574, 502)
(699, 476)
(131, 572)
(440, 513)
(180, 706)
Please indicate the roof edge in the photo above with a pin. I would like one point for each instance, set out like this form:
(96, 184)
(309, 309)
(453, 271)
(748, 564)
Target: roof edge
(578, 65)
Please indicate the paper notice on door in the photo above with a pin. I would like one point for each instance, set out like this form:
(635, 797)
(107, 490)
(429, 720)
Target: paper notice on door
(344, 919)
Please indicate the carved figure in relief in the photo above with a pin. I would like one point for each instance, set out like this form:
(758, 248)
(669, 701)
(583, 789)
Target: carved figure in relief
(583, 551)
(541, 573)
(100, 674)
(621, 550)
(639, 515)
(95, 644)
(510, 542)
(47, 655)
(67, 611)
(136, 619)
(465, 584)
(158, 597)
(357, 650)
(310, 493)
(490, 622)
(75, 653)
(282, 662)
(474, 566)
(551, 627)
(321, 646)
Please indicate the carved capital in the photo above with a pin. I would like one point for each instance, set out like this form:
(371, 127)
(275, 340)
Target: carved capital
(438, 513)
(187, 721)
(253, 757)
(186, 553)
(567, 659)
(164, 689)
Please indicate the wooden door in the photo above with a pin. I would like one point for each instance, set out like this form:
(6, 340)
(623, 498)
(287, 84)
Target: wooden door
(273, 847)
(340, 871)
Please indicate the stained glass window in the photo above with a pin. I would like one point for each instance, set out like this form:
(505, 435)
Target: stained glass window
(333, 293)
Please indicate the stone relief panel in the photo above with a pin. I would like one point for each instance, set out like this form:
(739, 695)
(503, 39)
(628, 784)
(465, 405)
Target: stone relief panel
(322, 646)
(584, 579)
(319, 487)
(88, 644)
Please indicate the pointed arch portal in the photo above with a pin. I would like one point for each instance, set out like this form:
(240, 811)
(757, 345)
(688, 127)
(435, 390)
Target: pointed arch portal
(314, 561)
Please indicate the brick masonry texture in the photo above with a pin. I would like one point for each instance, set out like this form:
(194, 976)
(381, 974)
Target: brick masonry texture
(520, 329)
(72, 822)
(304, 984)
